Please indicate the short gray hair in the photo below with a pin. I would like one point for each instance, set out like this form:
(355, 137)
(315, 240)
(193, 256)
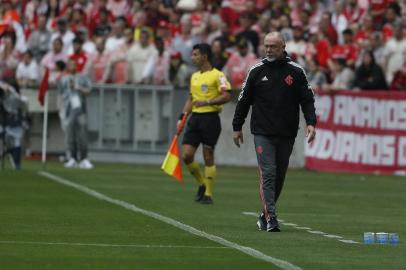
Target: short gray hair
(278, 35)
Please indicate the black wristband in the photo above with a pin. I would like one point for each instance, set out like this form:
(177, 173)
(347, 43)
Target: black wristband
(181, 116)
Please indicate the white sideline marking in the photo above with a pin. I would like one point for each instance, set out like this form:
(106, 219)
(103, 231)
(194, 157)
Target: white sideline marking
(348, 241)
(289, 224)
(303, 228)
(106, 245)
(332, 236)
(316, 232)
(247, 250)
(309, 230)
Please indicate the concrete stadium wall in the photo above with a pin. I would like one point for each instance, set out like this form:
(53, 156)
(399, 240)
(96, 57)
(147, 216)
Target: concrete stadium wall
(226, 152)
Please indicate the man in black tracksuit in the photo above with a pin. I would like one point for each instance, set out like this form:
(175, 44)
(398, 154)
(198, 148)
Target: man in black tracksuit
(275, 88)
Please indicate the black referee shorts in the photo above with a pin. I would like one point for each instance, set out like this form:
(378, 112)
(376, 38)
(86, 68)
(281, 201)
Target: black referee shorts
(202, 128)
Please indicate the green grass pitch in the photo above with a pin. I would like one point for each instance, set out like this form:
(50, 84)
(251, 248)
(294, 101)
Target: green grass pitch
(46, 225)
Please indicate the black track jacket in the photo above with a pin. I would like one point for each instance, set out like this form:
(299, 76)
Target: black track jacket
(275, 90)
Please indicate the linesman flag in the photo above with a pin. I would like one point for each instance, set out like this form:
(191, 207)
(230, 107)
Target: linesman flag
(172, 164)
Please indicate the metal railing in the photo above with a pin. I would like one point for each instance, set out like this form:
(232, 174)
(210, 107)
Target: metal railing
(128, 119)
(125, 118)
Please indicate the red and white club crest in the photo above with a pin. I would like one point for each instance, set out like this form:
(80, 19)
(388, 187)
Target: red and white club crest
(289, 80)
(260, 149)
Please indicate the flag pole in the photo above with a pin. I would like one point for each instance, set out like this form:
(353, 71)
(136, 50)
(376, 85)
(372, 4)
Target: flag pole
(44, 133)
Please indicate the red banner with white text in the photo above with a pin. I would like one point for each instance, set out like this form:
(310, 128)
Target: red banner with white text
(361, 132)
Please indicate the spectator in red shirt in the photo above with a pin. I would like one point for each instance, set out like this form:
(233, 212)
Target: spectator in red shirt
(93, 8)
(10, 12)
(399, 79)
(392, 17)
(378, 8)
(327, 28)
(174, 25)
(79, 56)
(348, 50)
(322, 50)
(230, 13)
(363, 34)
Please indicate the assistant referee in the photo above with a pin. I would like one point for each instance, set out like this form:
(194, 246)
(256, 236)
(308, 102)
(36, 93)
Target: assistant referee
(209, 90)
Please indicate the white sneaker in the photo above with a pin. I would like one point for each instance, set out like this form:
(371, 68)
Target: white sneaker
(71, 163)
(85, 164)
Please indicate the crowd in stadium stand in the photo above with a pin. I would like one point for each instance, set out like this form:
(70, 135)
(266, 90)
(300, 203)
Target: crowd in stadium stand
(348, 44)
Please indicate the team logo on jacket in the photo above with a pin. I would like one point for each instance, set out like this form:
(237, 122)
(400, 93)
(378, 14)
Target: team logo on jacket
(289, 80)
(260, 150)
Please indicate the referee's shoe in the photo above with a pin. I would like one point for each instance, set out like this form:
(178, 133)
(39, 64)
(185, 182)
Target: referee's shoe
(206, 200)
(200, 193)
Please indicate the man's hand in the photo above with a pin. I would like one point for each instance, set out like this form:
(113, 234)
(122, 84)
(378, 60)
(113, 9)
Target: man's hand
(181, 123)
(201, 103)
(310, 133)
(238, 138)
(179, 127)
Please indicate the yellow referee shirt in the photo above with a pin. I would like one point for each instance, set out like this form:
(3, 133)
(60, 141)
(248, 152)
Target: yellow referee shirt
(207, 86)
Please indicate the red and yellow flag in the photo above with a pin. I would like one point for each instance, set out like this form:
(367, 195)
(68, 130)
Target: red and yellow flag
(172, 164)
